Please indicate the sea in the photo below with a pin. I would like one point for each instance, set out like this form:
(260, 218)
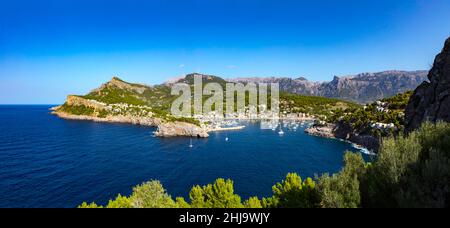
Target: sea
(50, 162)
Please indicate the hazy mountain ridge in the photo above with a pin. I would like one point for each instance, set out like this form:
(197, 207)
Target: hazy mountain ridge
(361, 88)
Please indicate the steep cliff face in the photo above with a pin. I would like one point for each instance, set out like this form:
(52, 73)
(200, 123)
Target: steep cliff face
(361, 88)
(369, 87)
(118, 83)
(297, 86)
(431, 100)
(173, 129)
(78, 101)
(118, 101)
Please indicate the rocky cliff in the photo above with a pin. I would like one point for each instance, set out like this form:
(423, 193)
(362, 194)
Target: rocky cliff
(73, 100)
(118, 101)
(171, 129)
(344, 131)
(431, 100)
(361, 88)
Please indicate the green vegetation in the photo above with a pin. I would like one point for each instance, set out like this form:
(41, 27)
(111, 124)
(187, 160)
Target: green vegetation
(189, 79)
(319, 106)
(292, 192)
(387, 111)
(410, 171)
(183, 119)
(77, 110)
(125, 98)
(112, 95)
(152, 195)
(399, 101)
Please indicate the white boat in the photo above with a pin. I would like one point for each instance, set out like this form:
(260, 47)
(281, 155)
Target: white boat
(190, 144)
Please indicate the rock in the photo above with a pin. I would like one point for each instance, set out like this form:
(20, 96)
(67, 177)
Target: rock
(77, 101)
(116, 82)
(361, 88)
(165, 129)
(369, 142)
(431, 100)
(172, 129)
(325, 131)
(344, 131)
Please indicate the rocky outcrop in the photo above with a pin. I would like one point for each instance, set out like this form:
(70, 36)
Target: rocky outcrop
(144, 121)
(164, 129)
(431, 100)
(120, 84)
(345, 132)
(73, 100)
(325, 131)
(122, 108)
(361, 88)
(172, 129)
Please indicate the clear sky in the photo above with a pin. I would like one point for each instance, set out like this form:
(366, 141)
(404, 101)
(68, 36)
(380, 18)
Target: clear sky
(49, 49)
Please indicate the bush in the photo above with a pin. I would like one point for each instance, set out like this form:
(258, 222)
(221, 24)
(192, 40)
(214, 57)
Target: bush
(292, 193)
(151, 195)
(77, 110)
(412, 171)
(217, 195)
(342, 190)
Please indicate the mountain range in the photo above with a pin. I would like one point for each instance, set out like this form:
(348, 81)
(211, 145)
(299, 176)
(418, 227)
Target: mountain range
(361, 88)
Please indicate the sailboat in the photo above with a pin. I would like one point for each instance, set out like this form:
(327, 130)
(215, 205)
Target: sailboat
(190, 144)
(281, 132)
(226, 137)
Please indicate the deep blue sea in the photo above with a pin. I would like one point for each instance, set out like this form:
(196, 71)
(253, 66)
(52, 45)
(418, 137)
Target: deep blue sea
(50, 162)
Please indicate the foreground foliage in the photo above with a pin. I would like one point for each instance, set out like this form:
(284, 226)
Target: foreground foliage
(410, 171)
(386, 111)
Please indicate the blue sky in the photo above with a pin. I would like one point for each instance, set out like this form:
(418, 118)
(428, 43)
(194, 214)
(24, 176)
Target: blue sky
(49, 49)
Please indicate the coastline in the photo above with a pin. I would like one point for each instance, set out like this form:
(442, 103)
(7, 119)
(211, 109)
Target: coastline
(185, 129)
(164, 129)
(143, 121)
(363, 143)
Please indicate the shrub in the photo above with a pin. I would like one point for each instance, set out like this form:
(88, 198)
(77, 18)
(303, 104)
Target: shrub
(151, 195)
(342, 190)
(292, 192)
(217, 195)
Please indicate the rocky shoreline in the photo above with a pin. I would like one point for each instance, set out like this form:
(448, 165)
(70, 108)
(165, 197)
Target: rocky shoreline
(343, 132)
(164, 129)
(178, 129)
(151, 122)
(325, 131)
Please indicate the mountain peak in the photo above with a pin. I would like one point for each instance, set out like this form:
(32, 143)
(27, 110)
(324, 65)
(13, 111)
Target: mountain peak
(116, 78)
(116, 81)
(301, 79)
(189, 78)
